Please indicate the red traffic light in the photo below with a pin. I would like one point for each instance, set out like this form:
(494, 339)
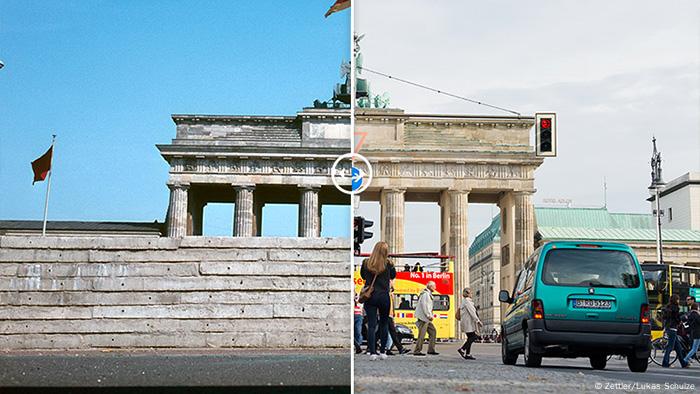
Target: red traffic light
(545, 123)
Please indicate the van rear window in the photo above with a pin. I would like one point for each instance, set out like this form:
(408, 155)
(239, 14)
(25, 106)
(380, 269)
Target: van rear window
(590, 268)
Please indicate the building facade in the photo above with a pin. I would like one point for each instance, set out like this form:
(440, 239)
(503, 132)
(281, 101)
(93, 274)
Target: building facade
(679, 201)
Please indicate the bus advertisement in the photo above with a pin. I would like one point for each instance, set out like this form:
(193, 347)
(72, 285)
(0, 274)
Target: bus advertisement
(407, 287)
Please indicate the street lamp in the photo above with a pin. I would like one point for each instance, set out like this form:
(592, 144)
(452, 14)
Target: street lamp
(656, 184)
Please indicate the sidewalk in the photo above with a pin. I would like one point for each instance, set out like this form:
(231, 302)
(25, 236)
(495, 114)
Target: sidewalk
(176, 368)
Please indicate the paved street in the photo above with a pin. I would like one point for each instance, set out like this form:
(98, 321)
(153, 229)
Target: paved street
(448, 372)
(312, 369)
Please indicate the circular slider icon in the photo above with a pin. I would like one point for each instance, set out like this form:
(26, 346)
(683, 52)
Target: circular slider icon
(351, 173)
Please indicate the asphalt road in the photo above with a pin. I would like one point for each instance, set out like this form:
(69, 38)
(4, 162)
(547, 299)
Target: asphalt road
(312, 370)
(448, 372)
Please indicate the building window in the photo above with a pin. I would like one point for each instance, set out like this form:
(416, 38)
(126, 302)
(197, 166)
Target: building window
(670, 214)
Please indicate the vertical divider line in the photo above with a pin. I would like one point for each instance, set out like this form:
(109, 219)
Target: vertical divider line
(352, 198)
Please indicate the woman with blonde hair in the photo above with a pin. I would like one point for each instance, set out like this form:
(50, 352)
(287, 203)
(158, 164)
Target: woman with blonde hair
(378, 272)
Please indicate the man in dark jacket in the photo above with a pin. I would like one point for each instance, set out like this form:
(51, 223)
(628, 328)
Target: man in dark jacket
(694, 324)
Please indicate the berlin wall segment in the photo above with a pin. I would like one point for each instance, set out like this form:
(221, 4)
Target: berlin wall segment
(192, 292)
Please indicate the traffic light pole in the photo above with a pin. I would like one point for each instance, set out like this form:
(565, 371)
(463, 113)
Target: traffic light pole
(659, 248)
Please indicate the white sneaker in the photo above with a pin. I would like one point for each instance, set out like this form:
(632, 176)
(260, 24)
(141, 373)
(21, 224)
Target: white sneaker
(374, 357)
(383, 356)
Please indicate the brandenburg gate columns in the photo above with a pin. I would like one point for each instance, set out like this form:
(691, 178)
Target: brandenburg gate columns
(459, 242)
(517, 234)
(309, 212)
(243, 216)
(453, 160)
(265, 159)
(177, 210)
(392, 208)
(524, 228)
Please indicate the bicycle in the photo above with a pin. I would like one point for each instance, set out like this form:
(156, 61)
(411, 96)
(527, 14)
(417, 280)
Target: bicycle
(658, 348)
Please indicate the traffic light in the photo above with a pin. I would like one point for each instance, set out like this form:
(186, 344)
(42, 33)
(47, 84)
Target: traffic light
(545, 134)
(359, 233)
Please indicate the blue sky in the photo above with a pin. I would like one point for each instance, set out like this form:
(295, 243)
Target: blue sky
(106, 76)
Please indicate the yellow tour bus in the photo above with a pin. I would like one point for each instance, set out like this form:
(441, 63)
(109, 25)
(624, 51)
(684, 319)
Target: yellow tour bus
(685, 281)
(408, 285)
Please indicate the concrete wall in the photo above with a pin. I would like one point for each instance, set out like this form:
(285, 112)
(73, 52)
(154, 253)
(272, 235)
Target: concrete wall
(195, 292)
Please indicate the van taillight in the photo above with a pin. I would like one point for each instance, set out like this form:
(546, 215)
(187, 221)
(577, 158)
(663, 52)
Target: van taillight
(645, 314)
(537, 309)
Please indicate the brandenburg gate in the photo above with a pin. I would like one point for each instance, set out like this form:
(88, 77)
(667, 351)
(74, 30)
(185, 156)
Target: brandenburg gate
(453, 160)
(252, 161)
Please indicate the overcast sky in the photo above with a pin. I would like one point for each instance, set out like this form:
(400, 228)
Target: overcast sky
(614, 72)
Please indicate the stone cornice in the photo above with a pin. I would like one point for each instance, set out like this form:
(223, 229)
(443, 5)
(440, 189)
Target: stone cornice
(187, 150)
(510, 158)
(216, 119)
(443, 119)
(310, 113)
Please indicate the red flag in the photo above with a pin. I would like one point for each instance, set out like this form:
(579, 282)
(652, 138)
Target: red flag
(42, 165)
(339, 5)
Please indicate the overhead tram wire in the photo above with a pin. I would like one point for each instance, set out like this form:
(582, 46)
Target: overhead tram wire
(438, 91)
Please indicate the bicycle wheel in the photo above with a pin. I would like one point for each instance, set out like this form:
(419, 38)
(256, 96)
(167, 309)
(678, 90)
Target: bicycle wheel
(658, 348)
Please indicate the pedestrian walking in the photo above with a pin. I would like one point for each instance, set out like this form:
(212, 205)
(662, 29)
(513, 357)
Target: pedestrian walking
(469, 323)
(694, 328)
(424, 320)
(393, 336)
(378, 271)
(358, 325)
(672, 318)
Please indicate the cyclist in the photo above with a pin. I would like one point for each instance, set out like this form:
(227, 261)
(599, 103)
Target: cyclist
(694, 324)
(672, 318)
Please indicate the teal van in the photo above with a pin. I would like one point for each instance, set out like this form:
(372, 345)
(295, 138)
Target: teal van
(578, 299)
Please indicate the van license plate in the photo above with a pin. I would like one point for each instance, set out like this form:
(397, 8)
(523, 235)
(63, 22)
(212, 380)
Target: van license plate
(592, 304)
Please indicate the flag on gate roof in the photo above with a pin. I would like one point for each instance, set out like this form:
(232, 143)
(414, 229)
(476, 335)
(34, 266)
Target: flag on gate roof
(42, 165)
(339, 5)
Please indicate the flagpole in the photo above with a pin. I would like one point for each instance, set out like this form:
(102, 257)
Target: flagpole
(48, 188)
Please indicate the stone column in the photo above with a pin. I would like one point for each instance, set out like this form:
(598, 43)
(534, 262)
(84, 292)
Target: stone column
(257, 216)
(195, 208)
(459, 242)
(444, 222)
(309, 212)
(524, 228)
(243, 213)
(177, 210)
(392, 204)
